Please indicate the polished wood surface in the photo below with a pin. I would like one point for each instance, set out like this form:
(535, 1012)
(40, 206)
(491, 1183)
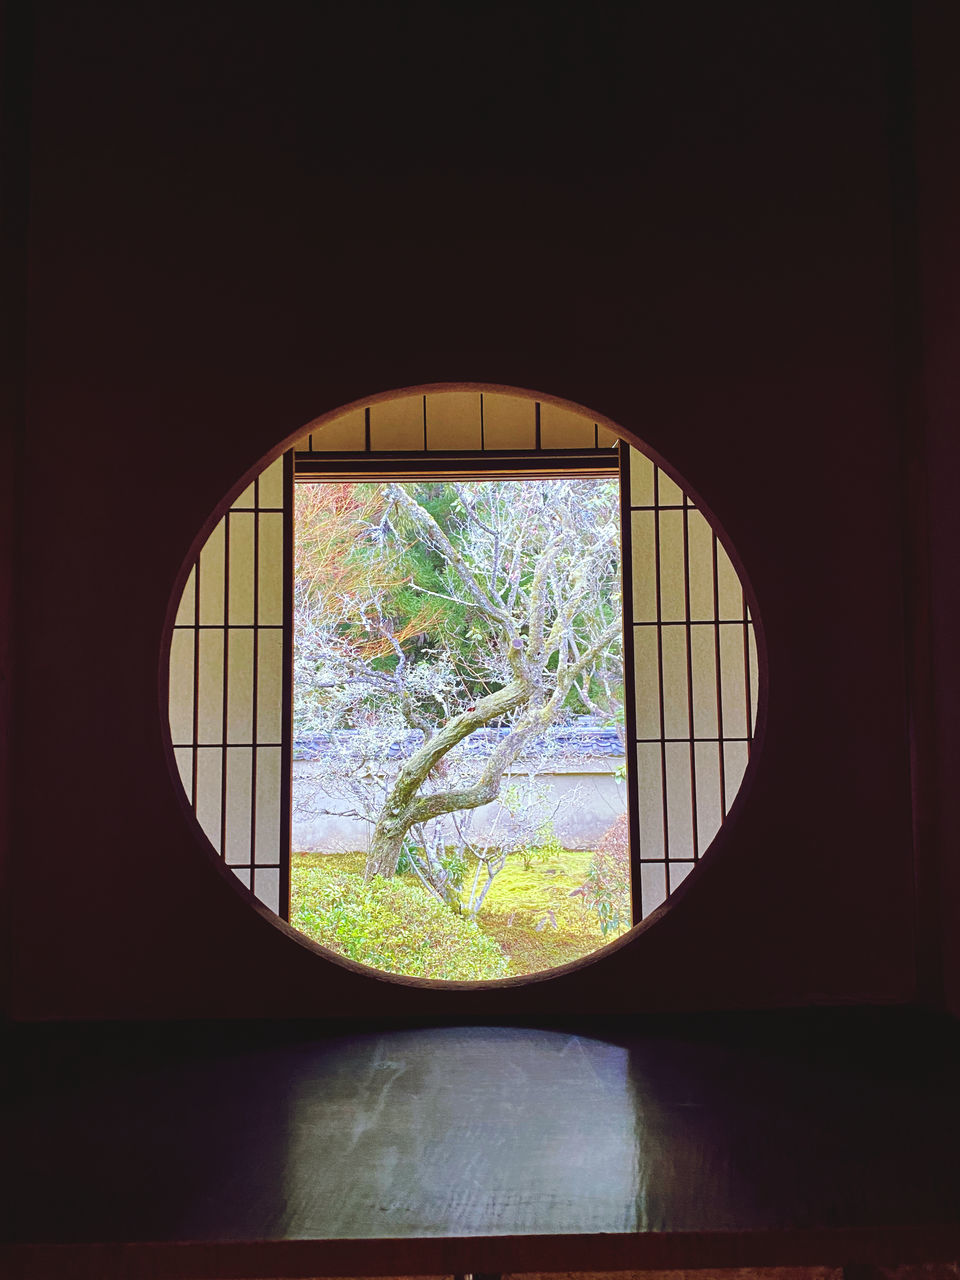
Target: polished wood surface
(272, 1149)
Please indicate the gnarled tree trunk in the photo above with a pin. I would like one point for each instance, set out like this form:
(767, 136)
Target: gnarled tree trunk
(404, 806)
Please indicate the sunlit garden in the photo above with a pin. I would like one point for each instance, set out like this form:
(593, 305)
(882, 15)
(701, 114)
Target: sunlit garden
(458, 718)
(546, 907)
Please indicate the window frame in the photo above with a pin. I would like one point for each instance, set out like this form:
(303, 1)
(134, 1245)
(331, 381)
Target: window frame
(608, 453)
(611, 461)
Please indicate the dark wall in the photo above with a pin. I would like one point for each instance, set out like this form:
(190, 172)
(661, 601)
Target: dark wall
(679, 216)
(937, 30)
(14, 159)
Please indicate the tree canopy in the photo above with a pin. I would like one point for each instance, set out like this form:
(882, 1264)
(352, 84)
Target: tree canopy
(441, 630)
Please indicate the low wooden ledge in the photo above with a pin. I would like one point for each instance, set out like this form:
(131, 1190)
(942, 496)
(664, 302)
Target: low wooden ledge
(826, 1140)
(921, 1254)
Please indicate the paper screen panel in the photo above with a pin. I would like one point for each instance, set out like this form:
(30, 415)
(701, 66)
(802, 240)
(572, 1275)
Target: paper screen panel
(700, 558)
(672, 595)
(735, 758)
(709, 800)
(679, 870)
(270, 486)
(269, 684)
(650, 799)
(240, 686)
(184, 759)
(669, 493)
(733, 680)
(646, 656)
(679, 800)
(676, 711)
(562, 428)
(266, 885)
(653, 886)
(226, 696)
(457, 420)
(643, 539)
(186, 610)
(182, 668)
(453, 420)
(753, 662)
(729, 590)
(270, 569)
(239, 796)
(210, 683)
(703, 662)
(642, 472)
(397, 425)
(210, 792)
(693, 643)
(212, 577)
(267, 827)
(344, 434)
(241, 585)
(509, 422)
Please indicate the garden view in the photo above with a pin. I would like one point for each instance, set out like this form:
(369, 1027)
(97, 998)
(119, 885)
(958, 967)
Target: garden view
(459, 810)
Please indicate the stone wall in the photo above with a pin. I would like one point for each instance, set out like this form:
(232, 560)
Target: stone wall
(587, 799)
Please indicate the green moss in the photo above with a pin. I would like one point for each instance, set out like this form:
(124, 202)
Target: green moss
(529, 915)
(533, 917)
(391, 925)
(301, 862)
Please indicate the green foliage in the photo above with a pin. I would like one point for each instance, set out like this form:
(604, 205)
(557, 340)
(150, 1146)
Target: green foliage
(548, 847)
(535, 918)
(607, 886)
(531, 854)
(392, 925)
(460, 629)
(405, 861)
(455, 865)
(451, 861)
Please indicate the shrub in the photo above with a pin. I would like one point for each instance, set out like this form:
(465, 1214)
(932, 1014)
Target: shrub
(392, 926)
(607, 886)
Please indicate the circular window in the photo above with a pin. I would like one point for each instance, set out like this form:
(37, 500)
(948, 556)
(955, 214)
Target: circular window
(462, 684)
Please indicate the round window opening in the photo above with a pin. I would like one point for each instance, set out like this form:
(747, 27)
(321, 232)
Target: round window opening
(463, 685)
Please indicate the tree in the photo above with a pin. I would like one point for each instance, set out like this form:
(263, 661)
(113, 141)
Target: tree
(519, 627)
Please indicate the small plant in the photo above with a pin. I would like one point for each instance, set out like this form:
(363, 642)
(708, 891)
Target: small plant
(548, 846)
(455, 865)
(607, 886)
(530, 854)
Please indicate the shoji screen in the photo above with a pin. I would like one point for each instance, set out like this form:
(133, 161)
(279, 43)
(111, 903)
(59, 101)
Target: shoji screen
(229, 695)
(474, 422)
(694, 672)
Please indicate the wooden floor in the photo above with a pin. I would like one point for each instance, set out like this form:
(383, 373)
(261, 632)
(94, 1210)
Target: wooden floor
(815, 1139)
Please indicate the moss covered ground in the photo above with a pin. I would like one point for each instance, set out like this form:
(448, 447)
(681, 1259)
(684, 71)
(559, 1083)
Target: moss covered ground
(528, 911)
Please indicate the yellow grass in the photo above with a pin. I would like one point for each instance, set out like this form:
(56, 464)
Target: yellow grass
(530, 913)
